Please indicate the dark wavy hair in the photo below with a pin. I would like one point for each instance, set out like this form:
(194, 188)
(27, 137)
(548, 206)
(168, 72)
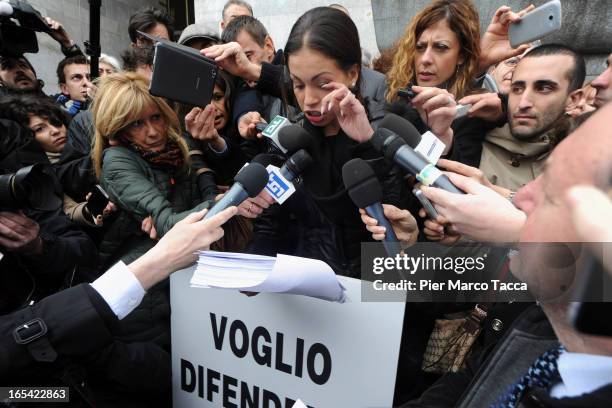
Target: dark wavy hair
(19, 108)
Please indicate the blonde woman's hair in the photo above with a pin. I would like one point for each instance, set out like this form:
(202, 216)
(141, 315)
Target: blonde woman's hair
(462, 18)
(120, 100)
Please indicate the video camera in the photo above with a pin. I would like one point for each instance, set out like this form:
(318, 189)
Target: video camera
(19, 22)
(28, 188)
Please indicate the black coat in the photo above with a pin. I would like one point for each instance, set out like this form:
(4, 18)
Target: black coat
(470, 386)
(80, 347)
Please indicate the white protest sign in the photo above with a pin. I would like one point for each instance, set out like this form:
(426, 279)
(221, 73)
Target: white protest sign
(270, 350)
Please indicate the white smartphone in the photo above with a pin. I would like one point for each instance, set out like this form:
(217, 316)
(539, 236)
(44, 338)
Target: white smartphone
(462, 110)
(536, 24)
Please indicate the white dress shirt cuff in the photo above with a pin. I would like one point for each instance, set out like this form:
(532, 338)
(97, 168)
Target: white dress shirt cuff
(120, 289)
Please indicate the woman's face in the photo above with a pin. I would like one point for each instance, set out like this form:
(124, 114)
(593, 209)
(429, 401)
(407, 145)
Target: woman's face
(105, 69)
(51, 136)
(219, 102)
(149, 130)
(437, 55)
(310, 70)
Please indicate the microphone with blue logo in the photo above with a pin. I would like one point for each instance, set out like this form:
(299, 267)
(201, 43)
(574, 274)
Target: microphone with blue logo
(365, 191)
(249, 182)
(294, 139)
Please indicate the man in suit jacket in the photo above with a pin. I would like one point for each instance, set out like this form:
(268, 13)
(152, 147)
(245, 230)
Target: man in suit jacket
(581, 372)
(55, 338)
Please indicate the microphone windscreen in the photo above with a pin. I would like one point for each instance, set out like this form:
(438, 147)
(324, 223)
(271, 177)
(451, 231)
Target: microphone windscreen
(387, 142)
(402, 128)
(294, 138)
(299, 161)
(264, 159)
(361, 182)
(253, 178)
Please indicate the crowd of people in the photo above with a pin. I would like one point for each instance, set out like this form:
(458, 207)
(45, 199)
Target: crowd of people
(85, 291)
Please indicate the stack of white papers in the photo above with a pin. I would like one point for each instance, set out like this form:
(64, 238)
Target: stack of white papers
(257, 273)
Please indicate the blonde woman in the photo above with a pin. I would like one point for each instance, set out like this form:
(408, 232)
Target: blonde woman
(142, 161)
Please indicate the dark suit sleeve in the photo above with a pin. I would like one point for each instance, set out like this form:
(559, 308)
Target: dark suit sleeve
(79, 323)
(270, 79)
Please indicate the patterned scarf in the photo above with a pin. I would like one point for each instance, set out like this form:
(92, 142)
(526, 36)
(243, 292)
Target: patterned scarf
(171, 157)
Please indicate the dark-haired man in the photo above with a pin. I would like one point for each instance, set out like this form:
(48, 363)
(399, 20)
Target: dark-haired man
(73, 77)
(152, 21)
(546, 84)
(258, 47)
(17, 73)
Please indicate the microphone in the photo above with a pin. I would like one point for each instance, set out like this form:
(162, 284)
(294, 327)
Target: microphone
(428, 144)
(272, 129)
(394, 148)
(365, 191)
(294, 138)
(402, 128)
(248, 183)
(296, 164)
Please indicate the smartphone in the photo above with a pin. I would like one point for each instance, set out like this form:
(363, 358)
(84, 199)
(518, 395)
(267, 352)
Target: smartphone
(181, 73)
(406, 93)
(97, 201)
(590, 316)
(427, 205)
(462, 110)
(536, 24)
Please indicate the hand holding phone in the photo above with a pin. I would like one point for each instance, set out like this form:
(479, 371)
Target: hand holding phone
(97, 202)
(536, 24)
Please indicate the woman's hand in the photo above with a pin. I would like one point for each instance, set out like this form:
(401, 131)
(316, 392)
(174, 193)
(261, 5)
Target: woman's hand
(495, 43)
(439, 230)
(253, 207)
(200, 124)
(437, 108)
(148, 227)
(486, 106)
(403, 223)
(350, 113)
(247, 125)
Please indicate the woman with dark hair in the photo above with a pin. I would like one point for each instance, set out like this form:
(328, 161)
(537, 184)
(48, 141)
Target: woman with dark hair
(48, 123)
(323, 56)
(212, 143)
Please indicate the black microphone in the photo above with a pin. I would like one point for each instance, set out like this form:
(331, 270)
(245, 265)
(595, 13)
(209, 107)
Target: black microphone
(394, 148)
(248, 183)
(294, 138)
(365, 191)
(402, 128)
(296, 164)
